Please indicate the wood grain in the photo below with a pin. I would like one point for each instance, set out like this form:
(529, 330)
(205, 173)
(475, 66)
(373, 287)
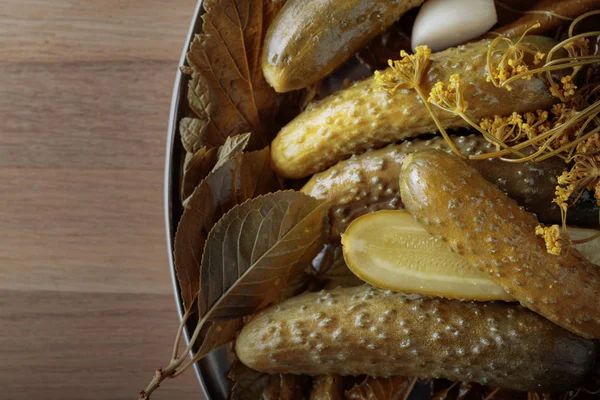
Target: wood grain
(86, 308)
(73, 345)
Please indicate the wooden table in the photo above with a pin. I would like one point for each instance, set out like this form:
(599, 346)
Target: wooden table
(86, 308)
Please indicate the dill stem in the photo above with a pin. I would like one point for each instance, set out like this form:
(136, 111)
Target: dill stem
(490, 137)
(570, 145)
(553, 66)
(568, 40)
(561, 45)
(489, 57)
(581, 18)
(437, 122)
(586, 113)
(537, 153)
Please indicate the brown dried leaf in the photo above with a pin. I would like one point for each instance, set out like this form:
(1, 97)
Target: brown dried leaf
(206, 160)
(286, 387)
(446, 390)
(257, 175)
(192, 131)
(327, 387)
(256, 249)
(195, 168)
(247, 384)
(444, 394)
(238, 179)
(217, 334)
(233, 146)
(295, 286)
(394, 388)
(227, 88)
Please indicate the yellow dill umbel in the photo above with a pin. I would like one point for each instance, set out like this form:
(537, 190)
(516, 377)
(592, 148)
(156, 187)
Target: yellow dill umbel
(405, 73)
(506, 59)
(556, 242)
(570, 130)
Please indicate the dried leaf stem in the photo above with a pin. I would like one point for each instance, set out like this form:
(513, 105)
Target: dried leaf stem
(171, 370)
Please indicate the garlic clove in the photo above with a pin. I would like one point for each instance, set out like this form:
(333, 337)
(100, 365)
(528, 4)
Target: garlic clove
(445, 23)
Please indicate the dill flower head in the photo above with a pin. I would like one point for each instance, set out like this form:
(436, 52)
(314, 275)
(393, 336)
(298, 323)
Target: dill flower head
(405, 73)
(507, 59)
(449, 97)
(516, 127)
(583, 175)
(578, 48)
(556, 242)
(536, 123)
(566, 89)
(590, 146)
(505, 129)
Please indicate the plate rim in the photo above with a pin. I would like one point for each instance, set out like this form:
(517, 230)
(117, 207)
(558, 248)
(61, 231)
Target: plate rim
(172, 135)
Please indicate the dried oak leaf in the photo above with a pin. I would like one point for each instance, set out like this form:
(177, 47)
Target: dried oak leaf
(242, 177)
(393, 388)
(256, 249)
(227, 89)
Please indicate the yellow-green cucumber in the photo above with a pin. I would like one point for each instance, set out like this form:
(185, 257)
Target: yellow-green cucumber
(309, 39)
(366, 116)
(477, 220)
(369, 182)
(367, 331)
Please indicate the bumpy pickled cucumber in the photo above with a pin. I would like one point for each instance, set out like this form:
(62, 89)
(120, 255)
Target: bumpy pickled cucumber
(369, 182)
(455, 203)
(363, 330)
(365, 116)
(309, 39)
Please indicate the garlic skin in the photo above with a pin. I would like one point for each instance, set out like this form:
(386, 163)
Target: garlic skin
(445, 23)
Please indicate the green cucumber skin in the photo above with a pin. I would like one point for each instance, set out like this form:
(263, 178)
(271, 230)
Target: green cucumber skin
(476, 219)
(363, 330)
(308, 40)
(369, 182)
(365, 116)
